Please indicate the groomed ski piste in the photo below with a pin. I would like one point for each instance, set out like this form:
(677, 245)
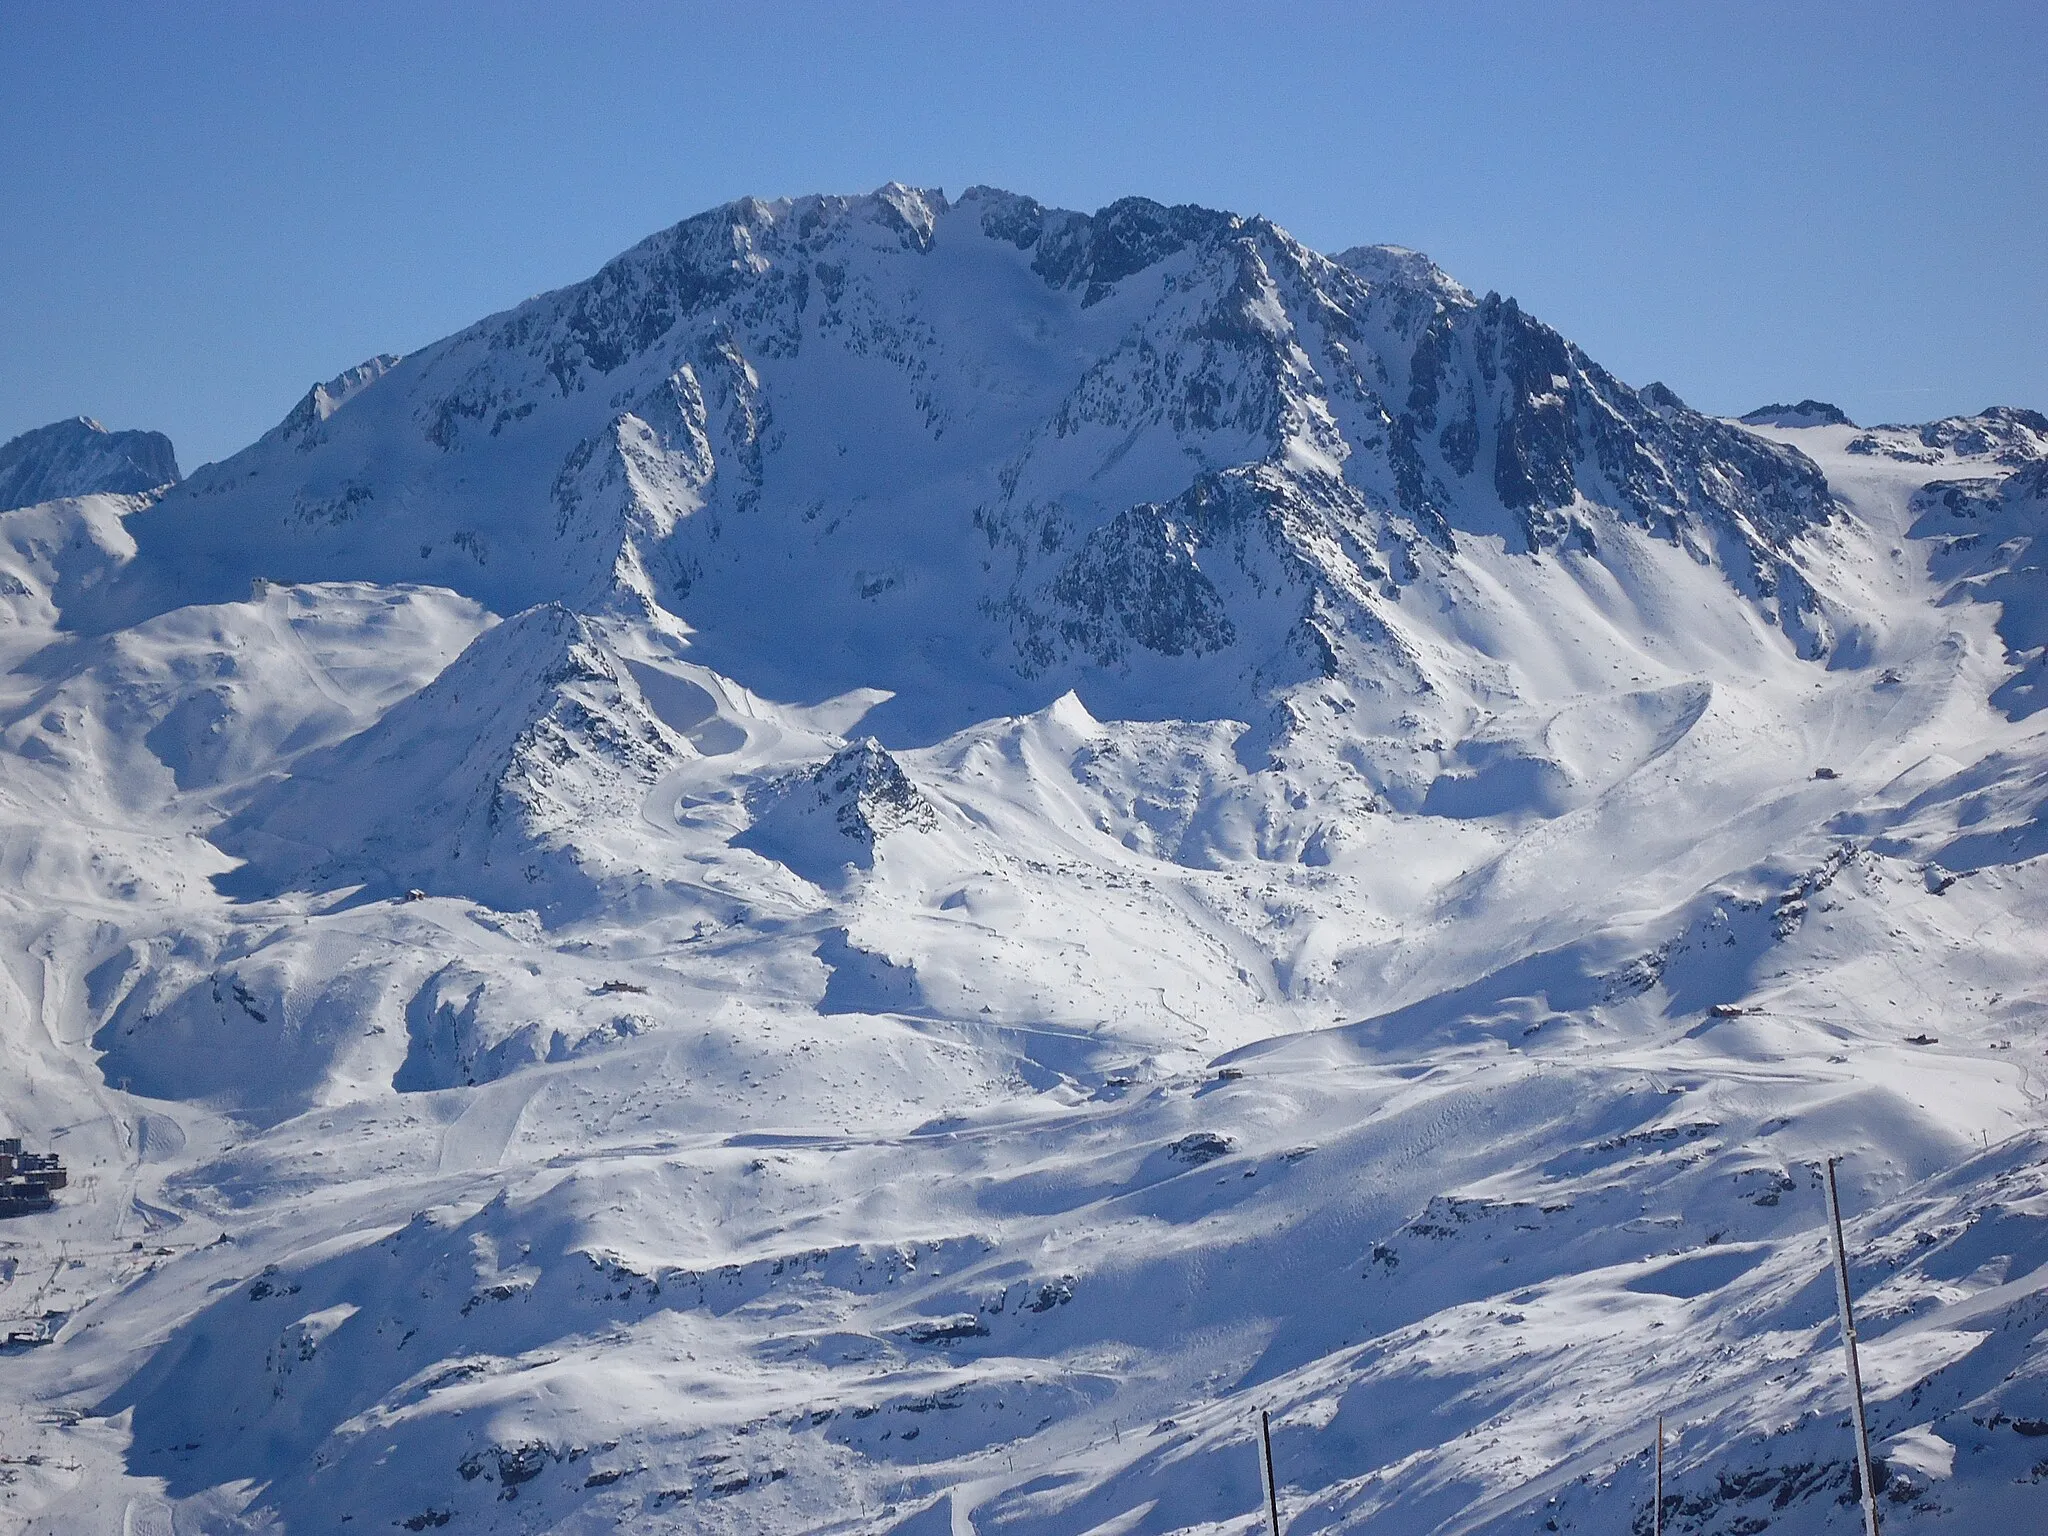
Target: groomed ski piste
(885, 870)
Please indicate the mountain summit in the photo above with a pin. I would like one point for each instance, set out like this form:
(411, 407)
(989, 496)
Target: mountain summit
(1166, 454)
(80, 457)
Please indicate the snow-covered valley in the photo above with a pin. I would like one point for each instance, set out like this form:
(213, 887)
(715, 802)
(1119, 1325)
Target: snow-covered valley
(883, 870)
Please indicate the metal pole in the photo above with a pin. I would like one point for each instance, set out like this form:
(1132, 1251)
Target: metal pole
(1657, 1509)
(1272, 1488)
(1849, 1353)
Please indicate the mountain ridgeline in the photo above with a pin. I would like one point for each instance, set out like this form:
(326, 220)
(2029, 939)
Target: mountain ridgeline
(984, 450)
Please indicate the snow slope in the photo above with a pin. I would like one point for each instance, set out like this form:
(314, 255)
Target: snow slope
(883, 870)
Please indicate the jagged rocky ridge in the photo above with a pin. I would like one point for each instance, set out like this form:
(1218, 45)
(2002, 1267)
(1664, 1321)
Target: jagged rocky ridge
(835, 814)
(1169, 450)
(2009, 436)
(1807, 413)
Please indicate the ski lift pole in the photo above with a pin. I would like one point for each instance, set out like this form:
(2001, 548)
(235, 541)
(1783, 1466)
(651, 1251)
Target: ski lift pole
(1657, 1509)
(1266, 1459)
(1849, 1353)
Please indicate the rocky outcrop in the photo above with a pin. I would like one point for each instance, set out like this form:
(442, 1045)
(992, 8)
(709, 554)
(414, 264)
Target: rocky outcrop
(836, 816)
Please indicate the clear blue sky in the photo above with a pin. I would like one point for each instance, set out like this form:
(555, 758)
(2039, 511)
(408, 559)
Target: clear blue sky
(204, 208)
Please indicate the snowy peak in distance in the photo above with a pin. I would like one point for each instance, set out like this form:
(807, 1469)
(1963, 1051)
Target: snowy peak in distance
(301, 428)
(976, 453)
(1807, 413)
(80, 457)
(2005, 435)
(1997, 439)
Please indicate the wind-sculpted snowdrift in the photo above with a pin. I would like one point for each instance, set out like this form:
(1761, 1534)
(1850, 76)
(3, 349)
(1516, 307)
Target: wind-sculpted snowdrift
(884, 869)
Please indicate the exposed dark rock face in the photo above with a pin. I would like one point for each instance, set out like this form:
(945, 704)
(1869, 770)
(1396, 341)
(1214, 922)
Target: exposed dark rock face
(2004, 434)
(1135, 581)
(870, 796)
(1807, 413)
(832, 819)
(1123, 239)
(1565, 433)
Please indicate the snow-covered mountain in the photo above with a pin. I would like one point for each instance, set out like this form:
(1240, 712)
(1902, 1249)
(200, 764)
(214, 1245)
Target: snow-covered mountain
(80, 457)
(1169, 453)
(1807, 413)
(881, 870)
